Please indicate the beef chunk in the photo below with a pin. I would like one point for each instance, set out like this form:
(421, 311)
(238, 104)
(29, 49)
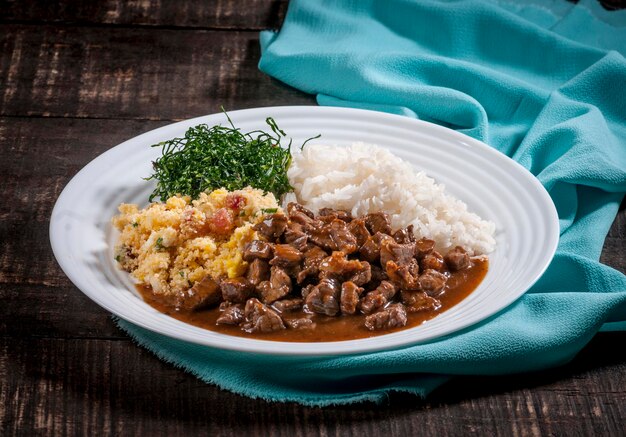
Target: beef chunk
(258, 271)
(324, 298)
(359, 230)
(203, 294)
(288, 304)
(285, 255)
(394, 316)
(404, 236)
(306, 290)
(378, 298)
(302, 216)
(423, 246)
(301, 323)
(432, 282)
(301, 243)
(404, 276)
(378, 222)
(457, 259)
(337, 265)
(277, 287)
(419, 301)
(378, 275)
(260, 318)
(401, 254)
(334, 236)
(310, 265)
(340, 214)
(236, 290)
(370, 250)
(294, 207)
(232, 315)
(293, 232)
(257, 249)
(433, 261)
(350, 293)
(272, 226)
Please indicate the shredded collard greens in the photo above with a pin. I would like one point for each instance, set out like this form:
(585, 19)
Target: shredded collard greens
(208, 158)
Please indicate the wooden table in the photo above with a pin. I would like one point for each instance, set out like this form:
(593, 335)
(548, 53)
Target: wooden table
(77, 78)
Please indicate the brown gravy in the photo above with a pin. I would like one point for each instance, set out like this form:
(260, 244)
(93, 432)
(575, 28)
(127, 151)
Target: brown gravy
(459, 286)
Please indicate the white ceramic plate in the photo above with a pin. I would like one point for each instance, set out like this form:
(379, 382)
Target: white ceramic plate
(493, 186)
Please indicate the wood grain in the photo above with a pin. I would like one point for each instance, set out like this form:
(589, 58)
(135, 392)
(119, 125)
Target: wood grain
(79, 77)
(124, 73)
(90, 386)
(211, 14)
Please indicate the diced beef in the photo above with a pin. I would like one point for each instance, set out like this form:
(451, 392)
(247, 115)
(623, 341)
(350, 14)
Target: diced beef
(401, 254)
(310, 264)
(378, 222)
(306, 290)
(324, 298)
(301, 243)
(340, 214)
(394, 316)
(378, 275)
(432, 282)
(236, 290)
(293, 232)
(294, 207)
(285, 255)
(404, 236)
(370, 250)
(232, 315)
(423, 246)
(288, 305)
(378, 298)
(258, 271)
(277, 287)
(301, 323)
(359, 230)
(260, 318)
(272, 225)
(337, 265)
(457, 259)
(404, 276)
(302, 216)
(419, 301)
(334, 236)
(257, 249)
(203, 294)
(350, 293)
(433, 261)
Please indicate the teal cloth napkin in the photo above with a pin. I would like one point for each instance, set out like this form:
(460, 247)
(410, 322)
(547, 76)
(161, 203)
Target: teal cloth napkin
(543, 82)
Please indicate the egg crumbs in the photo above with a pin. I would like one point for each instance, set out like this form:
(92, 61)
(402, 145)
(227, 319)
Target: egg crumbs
(170, 245)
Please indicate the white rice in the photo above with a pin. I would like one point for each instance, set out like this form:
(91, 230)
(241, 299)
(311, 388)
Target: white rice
(364, 178)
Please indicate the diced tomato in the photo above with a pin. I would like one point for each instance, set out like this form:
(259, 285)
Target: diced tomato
(222, 222)
(235, 201)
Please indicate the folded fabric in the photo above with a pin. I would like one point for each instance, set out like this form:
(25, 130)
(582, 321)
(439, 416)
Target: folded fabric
(542, 82)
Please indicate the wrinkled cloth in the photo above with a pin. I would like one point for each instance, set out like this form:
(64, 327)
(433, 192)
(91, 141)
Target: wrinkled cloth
(542, 82)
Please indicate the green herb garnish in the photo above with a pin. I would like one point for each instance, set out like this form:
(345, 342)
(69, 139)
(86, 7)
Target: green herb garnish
(269, 210)
(118, 258)
(159, 243)
(208, 158)
(135, 224)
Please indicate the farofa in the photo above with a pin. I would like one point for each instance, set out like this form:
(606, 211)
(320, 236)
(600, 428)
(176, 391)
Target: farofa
(168, 247)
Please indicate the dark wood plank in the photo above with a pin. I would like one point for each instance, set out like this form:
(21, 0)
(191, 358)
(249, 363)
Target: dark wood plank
(133, 73)
(95, 387)
(215, 14)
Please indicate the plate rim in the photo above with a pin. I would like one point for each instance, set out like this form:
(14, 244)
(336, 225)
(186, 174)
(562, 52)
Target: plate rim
(290, 348)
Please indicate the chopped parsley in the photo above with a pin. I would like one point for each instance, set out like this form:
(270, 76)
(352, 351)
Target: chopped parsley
(159, 244)
(269, 210)
(207, 158)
